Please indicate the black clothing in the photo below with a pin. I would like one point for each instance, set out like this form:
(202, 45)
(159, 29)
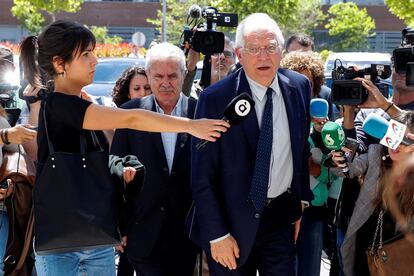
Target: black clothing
(64, 114)
(156, 217)
(346, 202)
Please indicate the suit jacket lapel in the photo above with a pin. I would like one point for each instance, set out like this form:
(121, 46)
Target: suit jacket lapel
(250, 125)
(182, 137)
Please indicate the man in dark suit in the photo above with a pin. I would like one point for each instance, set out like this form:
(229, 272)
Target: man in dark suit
(249, 185)
(156, 229)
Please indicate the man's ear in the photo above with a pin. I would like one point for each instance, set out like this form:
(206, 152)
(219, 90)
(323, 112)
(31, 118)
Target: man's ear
(239, 55)
(58, 64)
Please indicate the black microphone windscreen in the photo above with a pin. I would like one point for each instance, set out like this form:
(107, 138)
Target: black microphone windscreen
(194, 11)
(239, 108)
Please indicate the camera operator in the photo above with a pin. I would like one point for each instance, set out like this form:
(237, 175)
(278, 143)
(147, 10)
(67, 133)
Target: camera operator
(221, 64)
(403, 95)
(9, 137)
(403, 98)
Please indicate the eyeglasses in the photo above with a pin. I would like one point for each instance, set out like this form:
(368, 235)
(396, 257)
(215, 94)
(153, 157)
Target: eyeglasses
(255, 51)
(227, 54)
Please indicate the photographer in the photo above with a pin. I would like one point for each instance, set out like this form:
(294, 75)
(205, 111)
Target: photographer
(221, 64)
(403, 98)
(9, 137)
(369, 207)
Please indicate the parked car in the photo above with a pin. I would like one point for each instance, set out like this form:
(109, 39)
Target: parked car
(107, 72)
(358, 59)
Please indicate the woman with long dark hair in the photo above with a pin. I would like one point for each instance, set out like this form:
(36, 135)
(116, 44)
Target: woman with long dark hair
(132, 84)
(63, 54)
(375, 166)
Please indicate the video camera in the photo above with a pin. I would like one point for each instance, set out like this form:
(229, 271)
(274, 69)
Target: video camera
(203, 37)
(347, 91)
(403, 57)
(8, 94)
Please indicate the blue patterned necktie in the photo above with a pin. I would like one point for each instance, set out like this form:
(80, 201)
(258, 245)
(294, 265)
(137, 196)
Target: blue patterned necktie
(260, 182)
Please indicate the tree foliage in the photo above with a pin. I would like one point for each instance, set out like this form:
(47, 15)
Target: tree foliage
(349, 27)
(30, 13)
(289, 14)
(292, 16)
(403, 9)
(176, 17)
(101, 35)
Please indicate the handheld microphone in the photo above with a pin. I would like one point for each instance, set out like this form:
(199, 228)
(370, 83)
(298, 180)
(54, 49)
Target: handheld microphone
(319, 108)
(333, 137)
(391, 133)
(194, 11)
(235, 112)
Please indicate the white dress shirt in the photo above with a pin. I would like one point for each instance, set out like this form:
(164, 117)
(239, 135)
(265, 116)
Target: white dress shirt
(169, 139)
(281, 162)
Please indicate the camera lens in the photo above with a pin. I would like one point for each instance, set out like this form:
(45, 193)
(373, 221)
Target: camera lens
(355, 93)
(208, 40)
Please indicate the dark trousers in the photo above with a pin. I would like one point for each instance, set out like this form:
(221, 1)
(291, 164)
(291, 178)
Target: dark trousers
(310, 241)
(273, 252)
(171, 256)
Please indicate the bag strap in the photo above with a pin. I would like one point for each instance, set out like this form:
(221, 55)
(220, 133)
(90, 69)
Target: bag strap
(378, 231)
(82, 138)
(49, 143)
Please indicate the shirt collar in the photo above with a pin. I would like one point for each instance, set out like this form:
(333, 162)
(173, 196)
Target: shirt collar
(176, 110)
(259, 90)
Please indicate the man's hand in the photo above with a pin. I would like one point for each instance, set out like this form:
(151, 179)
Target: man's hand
(129, 174)
(192, 59)
(314, 169)
(297, 229)
(375, 98)
(21, 133)
(297, 225)
(225, 252)
(84, 95)
(31, 91)
(120, 248)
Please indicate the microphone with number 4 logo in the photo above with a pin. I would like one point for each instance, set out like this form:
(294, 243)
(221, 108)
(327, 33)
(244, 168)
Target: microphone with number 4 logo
(236, 111)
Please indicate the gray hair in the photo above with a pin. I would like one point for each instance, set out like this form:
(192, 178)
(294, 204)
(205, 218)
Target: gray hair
(165, 51)
(257, 22)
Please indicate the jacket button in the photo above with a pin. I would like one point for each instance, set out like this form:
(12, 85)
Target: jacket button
(257, 215)
(162, 209)
(165, 169)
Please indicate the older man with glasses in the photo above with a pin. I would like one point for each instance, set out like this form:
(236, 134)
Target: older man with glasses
(250, 187)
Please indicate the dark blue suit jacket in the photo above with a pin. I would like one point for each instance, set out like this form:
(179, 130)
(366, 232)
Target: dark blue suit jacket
(222, 171)
(165, 197)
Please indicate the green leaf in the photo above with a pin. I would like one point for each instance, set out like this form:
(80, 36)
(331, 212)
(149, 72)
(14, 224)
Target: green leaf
(29, 12)
(349, 27)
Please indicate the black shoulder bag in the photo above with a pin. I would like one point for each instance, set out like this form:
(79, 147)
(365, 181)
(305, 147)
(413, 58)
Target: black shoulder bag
(75, 201)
